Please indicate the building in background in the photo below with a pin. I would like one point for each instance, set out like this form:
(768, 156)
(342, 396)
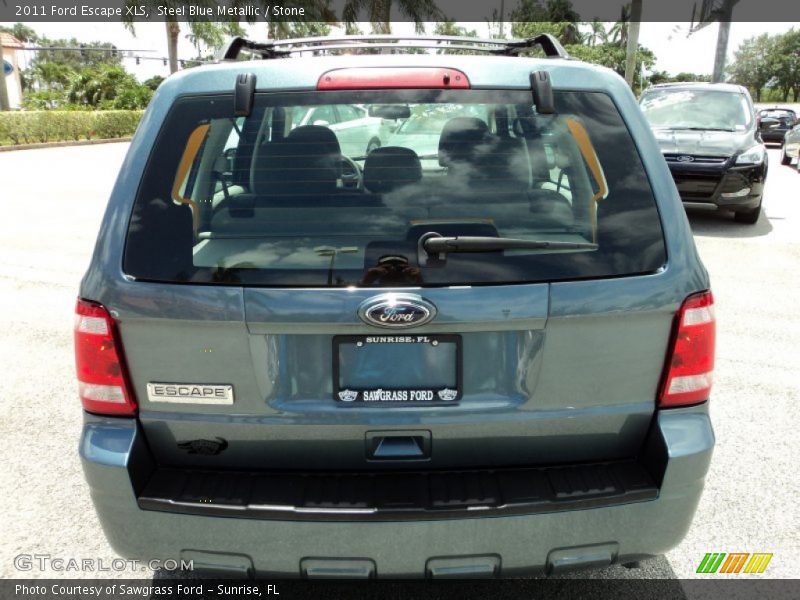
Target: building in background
(12, 54)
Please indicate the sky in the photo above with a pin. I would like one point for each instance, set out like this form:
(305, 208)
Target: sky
(675, 52)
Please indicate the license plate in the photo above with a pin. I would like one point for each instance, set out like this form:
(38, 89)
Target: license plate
(397, 370)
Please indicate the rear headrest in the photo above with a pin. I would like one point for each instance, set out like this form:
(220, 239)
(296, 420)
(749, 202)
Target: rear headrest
(391, 167)
(308, 161)
(459, 139)
(317, 135)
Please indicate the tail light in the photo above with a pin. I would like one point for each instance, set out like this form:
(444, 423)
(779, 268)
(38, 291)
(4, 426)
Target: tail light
(689, 370)
(102, 381)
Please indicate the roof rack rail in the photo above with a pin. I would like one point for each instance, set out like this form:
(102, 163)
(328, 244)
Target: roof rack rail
(236, 45)
(550, 45)
(285, 48)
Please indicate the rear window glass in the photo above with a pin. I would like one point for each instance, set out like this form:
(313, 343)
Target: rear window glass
(777, 114)
(784, 117)
(301, 193)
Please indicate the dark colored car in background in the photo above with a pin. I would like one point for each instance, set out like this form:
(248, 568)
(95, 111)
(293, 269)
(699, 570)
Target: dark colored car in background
(773, 123)
(710, 140)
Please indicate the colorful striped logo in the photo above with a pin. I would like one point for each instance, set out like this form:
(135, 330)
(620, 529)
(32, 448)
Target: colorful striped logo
(734, 562)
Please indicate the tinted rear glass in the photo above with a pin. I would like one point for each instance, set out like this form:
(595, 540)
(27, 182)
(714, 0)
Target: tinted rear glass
(309, 190)
(777, 114)
(786, 118)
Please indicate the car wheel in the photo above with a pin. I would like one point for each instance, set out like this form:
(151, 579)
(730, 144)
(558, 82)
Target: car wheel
(749, 217)
(374, 143)
(785, 158)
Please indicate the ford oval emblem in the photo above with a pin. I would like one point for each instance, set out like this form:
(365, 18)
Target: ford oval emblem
(396, 311)
(685, 158)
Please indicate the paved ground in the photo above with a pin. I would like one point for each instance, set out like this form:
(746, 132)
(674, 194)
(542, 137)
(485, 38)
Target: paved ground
(51, 211)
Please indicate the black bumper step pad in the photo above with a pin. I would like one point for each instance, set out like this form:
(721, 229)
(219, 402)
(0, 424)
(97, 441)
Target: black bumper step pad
(420, 495)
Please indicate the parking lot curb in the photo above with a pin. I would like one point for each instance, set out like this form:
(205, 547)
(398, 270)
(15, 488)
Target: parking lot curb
(63, 143)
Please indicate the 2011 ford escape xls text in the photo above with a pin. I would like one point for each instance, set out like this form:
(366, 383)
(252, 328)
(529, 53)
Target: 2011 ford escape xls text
(486, 351)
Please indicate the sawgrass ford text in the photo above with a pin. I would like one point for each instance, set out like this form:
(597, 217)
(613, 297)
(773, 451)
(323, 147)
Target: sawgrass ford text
(142, 11)
(146, 590)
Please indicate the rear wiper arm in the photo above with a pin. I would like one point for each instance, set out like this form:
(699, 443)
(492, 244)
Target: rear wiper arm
(702, 129)
(432, 244)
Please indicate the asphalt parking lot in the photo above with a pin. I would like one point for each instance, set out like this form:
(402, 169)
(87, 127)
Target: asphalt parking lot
(52, 201)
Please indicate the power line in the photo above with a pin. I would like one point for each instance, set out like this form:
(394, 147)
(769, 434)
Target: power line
(131, 53)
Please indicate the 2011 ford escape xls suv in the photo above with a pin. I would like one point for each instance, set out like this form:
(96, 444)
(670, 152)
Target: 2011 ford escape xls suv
(490, 359)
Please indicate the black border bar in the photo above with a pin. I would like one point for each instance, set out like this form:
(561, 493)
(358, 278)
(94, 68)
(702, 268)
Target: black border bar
(479, 11)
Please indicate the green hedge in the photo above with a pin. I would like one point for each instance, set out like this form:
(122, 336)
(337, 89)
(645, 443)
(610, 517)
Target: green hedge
(31, 127)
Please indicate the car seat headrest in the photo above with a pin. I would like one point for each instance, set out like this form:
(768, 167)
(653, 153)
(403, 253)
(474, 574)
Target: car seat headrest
(391, 167)
(460, 138)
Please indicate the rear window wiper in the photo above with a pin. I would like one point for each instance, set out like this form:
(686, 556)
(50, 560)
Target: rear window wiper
(700, 129)
(434, 245)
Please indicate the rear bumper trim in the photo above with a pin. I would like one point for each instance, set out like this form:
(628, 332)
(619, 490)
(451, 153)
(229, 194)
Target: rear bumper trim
(385, 496)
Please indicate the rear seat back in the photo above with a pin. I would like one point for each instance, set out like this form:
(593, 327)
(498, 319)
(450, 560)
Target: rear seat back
(306, 163)
(470, 151)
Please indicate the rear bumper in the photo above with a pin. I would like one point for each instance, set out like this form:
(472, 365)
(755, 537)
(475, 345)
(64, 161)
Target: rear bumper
(118, 467)
(773, 137)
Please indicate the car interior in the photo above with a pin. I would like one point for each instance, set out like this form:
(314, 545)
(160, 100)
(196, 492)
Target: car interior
(305, 166)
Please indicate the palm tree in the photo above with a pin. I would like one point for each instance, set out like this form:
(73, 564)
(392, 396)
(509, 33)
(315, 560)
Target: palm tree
(597, 33)
(297, 29)
(557, 18)
(173, 31)
(173, 28)
(51, 75)
(561, 12)
(632, 42)
(449, 27)
(619, 31)
(318, 19)
(92, 86)
(379, 12)
(211, 34)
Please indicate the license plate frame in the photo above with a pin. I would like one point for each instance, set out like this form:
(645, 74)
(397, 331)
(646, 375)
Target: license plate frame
(411, 396)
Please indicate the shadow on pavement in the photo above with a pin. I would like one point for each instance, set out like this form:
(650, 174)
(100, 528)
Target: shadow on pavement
(720, 223)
